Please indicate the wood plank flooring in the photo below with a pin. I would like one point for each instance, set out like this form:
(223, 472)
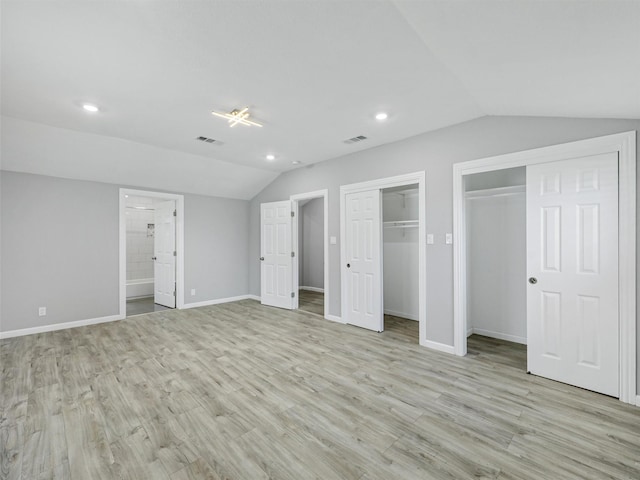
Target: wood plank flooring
(143, 305)
(241, 391)
(312, 302)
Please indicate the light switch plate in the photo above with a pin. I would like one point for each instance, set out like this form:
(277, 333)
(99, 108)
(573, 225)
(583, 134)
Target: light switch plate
(42, 311)
(429, 238)
(448, 238)
(193, 292)
(333, 240)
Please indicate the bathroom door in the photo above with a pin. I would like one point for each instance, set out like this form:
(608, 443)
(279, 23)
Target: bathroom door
(164, 254)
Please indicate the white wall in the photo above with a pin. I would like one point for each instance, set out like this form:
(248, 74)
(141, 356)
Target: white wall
(400, 255)
(311, 246)
(496, 267)
(59, 249)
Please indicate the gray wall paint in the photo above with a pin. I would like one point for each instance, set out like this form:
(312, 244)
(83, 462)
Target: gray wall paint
(60, 249)
(435, 153)
(311, 218)
(216, 241)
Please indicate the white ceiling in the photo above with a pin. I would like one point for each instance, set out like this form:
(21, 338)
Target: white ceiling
(314, 72)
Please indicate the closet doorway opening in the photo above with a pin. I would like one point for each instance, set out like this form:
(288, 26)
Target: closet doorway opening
(400, 252)
(310, 247)
(379, 218)
(580, 277)
(496, 256)
(151, 254)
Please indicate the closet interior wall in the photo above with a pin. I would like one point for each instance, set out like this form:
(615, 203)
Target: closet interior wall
(311, 244)
(400, 251)
(495, 212)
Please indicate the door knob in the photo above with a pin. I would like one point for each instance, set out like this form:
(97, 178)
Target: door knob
(348, 265)
(262, 259)
(154, 258)
(533, 280)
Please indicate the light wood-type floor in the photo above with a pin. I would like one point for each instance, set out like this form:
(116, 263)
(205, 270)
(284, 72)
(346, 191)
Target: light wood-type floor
(241, 391)
(143, 305)
(312, 302)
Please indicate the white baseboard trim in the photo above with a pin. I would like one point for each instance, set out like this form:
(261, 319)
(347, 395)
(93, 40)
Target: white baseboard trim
(498, 335)
(217, 301)
(440, 347)
(637, 400)
(312, 289)
(334, 318)
(254, 297)
(59, 326)
(402, 315)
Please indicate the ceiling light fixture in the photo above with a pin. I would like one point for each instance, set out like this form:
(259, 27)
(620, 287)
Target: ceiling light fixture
(381, 116)
(271, 157)
(90, 108)
(236, 117)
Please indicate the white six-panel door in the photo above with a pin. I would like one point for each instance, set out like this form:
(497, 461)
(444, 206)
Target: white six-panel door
(164, 251)
(572, 264)
(364, 265)
(275, 254)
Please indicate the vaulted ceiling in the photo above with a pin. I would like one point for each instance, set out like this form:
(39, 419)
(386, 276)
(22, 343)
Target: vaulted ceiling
(313, 72)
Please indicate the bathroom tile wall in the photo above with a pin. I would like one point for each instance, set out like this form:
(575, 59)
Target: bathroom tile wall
(139, 238)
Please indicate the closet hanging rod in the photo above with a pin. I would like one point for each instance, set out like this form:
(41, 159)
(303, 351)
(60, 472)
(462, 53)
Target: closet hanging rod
(401, 224)
(495, 192)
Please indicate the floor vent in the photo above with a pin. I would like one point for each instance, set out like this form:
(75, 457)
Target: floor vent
(205, 139)
(359, 138)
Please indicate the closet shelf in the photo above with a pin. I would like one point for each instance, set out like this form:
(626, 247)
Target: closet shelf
(401, 224)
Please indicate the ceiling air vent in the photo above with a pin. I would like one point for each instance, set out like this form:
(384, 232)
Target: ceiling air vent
(205, 139)
(359, 138)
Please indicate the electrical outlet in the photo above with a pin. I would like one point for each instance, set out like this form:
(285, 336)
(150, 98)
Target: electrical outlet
(42, 311)
(193, 292)
(429, 238)
(333, 240)
(448, 238)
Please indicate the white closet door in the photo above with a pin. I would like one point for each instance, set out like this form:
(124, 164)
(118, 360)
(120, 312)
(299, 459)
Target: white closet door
(275, 247)
(572, 299)
(164, 254)
(364, 263)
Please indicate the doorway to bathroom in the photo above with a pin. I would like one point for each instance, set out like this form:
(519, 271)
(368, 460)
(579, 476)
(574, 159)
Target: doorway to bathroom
(150, 252)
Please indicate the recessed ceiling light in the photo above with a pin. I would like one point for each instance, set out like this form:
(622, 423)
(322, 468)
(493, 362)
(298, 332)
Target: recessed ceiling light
(271, 157)
(381, 116)
(126, 196)
(90, 108)
(295, 162)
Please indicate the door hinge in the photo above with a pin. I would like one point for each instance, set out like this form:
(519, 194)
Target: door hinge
(293, 254)
(174, 293)
(175, 253)
(293, 295)
(175, 213)
(293, 214)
